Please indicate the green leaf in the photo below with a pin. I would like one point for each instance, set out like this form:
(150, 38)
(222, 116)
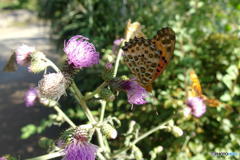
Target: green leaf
(233, 72)
(28, 130)
(236, 90)
(226, 97)
(227, 80)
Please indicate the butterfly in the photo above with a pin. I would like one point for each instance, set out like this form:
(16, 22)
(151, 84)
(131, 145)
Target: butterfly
(147, 58)
(194, 89)
(11, 65)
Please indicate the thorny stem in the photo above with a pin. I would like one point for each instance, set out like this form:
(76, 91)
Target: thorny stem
(87, 97)
(52, 65)
(161, 126)
(64, 116)
(80, 98)
(48, 156)
(100, 139)
(103, 107)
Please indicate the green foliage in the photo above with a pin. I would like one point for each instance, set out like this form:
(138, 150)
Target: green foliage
(32, 129)
(19, 4)
(207, 41)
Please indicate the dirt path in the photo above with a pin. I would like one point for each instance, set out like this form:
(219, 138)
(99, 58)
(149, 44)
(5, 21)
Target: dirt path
(16, 28)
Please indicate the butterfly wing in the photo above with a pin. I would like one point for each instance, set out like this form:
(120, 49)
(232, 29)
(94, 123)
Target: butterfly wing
(11, 65)
(196, 90)
(142, 57)
(165, 43)
(195, 83)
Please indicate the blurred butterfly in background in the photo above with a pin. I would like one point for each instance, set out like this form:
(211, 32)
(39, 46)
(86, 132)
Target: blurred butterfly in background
(147, 58)
(11, 65)
(194, 89)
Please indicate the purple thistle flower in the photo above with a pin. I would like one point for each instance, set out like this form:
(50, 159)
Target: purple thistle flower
(108, 66)
(3, 158)
(136, 94)
(80, 52)
(117, 42)
(30, 97)
(22, 54)
(79, 148)
(197, 106)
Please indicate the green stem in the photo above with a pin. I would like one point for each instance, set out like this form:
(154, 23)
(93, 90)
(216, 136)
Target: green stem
(52, 65)
(98, 90)
(161, 126)
(185, 143)
(100, 156)
(100, 138)
(48, 156)
(80, 98)
(65, 117)
(148, 133)
(117, 62)
(103, 107)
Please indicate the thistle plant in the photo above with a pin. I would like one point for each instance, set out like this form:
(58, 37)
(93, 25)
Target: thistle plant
(76, 143)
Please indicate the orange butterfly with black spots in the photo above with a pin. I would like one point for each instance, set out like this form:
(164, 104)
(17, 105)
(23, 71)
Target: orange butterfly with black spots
(147, 58)
(194, 89)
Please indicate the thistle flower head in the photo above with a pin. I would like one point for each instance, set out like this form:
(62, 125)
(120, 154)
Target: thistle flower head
(52, 86)
(117, 42)
(136, 94)
(23, 54)
(107, 73)
(108, 66)
(79, 148)
(3, 158)
(38, 62)
(197, 106)
(31, 97)
(80, 52)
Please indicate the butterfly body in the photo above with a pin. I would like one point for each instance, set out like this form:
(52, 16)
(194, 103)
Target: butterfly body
(147, 58)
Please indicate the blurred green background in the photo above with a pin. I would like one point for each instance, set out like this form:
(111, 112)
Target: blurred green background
(207, 33)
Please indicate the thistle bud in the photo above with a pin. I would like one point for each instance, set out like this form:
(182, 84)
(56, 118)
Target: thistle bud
(23, 53)
(177, 132)
(107, 95)
(109, 131)
(52, 86)
(46, 143)
(137, 153)
(48, 102)
(38, 62)
(107, 73)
